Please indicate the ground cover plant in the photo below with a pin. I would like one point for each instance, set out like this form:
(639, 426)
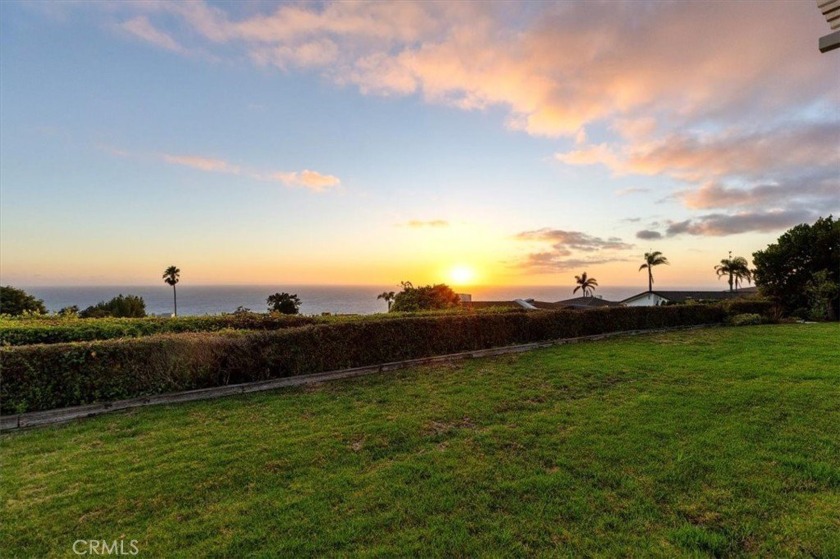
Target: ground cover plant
(712, 442)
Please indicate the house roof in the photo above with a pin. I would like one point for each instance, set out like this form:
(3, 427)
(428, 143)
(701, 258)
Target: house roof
(683, 296)
(588, 302)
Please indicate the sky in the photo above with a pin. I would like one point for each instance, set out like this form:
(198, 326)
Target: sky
(369, 143)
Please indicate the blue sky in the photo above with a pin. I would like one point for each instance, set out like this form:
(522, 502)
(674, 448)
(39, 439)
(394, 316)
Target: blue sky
(369, 143)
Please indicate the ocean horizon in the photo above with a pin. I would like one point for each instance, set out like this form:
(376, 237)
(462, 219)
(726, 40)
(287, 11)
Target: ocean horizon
(196, 300)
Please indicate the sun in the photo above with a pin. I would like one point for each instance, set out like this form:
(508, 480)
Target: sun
(461, 275)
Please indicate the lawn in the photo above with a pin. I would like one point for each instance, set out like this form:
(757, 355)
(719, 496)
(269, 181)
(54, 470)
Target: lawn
(723, 441)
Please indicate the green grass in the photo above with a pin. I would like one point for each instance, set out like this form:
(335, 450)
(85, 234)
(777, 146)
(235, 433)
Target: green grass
(717, 442)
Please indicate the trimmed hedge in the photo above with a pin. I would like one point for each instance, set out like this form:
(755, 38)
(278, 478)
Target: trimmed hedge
(42, 377)
(54, 329)
(51, 330)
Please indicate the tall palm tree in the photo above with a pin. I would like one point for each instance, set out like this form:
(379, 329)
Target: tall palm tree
(737, 269)
(652, 259)
(585, 283)
(171, 276)
(388, 296)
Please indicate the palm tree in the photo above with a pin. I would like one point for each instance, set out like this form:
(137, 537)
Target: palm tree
(586, 284)
(736, 268)
(388, 296)
(171, 276)
(652, 259)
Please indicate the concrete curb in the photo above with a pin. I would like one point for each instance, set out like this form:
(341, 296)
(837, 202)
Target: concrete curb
(64, 415)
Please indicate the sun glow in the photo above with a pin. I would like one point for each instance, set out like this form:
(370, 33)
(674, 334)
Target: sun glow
(461, 275)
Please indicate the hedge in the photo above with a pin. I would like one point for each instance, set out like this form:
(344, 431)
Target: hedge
(53, 329)
(42, 377)
(50, 330)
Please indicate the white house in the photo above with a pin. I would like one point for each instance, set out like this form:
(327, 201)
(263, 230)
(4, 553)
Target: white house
(656, 298)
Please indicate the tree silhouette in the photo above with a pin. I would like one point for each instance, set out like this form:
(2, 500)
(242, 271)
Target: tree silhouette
(172, 275)
(283, 303)
(388, 296)
(652, 259)
(737, 269)
(586, 284)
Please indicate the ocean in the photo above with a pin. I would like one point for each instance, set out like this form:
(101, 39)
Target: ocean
(315, 299)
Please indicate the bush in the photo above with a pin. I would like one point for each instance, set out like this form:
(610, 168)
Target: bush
(747, 319)
(16, 302)
(427, 297)
(121, 306)
(40, 377)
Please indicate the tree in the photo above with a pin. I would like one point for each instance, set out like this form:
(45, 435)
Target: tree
(16, 302)
(69, 312)
(738, 269)
(388, 296)
(586, 284)
(652, 259)
(283, 303)
(121, 306)
(172, 275)
(785, 268)
(428, 297)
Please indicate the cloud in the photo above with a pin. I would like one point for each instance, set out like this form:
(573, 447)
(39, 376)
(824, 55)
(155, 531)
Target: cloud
(647, 234)
(550, 262)
(312, 180)
(556, 67)
(417, 224)
(569, 250)
(207, 164)
(742, 172)
(715, 225)
(141, 28)
(821, 190)
(575, 240)
(631, 190)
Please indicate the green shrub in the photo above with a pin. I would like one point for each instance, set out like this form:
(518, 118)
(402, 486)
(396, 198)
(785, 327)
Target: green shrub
(40, 377)
(121, 306)
(746, 319)
(16, 302)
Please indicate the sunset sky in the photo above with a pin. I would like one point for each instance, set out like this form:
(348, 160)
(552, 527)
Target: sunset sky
(368, 143)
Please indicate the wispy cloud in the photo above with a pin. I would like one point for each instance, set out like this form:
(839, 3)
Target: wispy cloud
(207, 164)
(141, 28)
(311, 180)
(434, 223)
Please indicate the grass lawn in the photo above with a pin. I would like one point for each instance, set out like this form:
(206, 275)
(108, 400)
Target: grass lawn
(723, 441)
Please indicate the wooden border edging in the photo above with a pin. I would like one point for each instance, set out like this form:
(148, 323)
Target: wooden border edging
(63, 415)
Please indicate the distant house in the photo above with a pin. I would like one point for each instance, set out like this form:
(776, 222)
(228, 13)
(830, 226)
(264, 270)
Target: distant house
(657, 298)
(531, 304)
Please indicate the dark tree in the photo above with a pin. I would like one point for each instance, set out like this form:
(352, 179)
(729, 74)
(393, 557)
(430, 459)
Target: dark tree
(429, 297)
(737, 269)
(785, 269)
(171, 276)
(586, 284)
(16, 302)
(121, 306)
(652, 259)
(388, 296)
(283, 303)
